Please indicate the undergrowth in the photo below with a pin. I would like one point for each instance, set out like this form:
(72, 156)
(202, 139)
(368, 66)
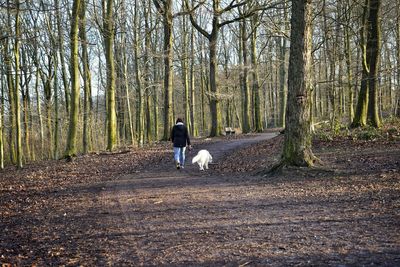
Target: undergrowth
(390, 130)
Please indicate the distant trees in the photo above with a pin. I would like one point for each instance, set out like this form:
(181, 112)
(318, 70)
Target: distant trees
(79, 77)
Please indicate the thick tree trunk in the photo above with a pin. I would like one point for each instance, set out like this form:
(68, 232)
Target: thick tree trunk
(367, 111)
(297, 144)
(373, 50)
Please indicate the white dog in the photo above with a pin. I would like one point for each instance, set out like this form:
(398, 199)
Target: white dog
(202, 158)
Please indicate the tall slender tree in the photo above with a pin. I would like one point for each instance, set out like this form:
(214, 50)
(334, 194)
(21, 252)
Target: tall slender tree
(108, 30)
(71, 148)
(17, 85)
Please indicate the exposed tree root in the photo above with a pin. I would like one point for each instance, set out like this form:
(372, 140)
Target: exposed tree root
(282, 166)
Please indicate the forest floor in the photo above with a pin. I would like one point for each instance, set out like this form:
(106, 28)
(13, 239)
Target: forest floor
(133, 208)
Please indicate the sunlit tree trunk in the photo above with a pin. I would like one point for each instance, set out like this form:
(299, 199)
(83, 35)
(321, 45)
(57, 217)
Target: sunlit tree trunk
(258, 127)
(39, 112)
(126, 85)
(348, 58)
(11, 94)
(282, 67)
(60, 30)
(165, 9)
(109, 54)
(374, 46)
(71, 149)
(87, 88)
(193, 103)
(367, 111)
(26, 103)
(139, 84)
(244, 77)
(297, 143)
(185, 73)
(147, 87)
(16, 87)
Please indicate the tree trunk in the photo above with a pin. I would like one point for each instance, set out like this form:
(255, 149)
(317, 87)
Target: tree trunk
(397, 97)
(148, 92)
(256, 81)
(87, 88)
(297, 144)
(16, 88)
(60, 29)
(367, 111)
(74, 111)
(126, 86)
(1, 125)
(348, 57)
(139, 85)
(166, 11)
(109, 49)
(246, 128)
(373, 50)
(282, 69)
(39, 112)
(193, 104)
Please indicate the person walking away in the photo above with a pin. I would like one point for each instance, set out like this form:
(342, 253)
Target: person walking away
(180, 138)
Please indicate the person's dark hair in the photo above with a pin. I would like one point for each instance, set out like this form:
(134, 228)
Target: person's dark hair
(179, 120)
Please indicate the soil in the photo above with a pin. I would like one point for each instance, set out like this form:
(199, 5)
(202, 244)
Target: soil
(133, 208)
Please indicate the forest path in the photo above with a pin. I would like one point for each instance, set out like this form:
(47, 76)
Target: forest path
(167, 216)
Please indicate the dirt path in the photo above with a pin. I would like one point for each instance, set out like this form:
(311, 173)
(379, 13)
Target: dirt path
(164, 217)
(189, 218)
(111, 210)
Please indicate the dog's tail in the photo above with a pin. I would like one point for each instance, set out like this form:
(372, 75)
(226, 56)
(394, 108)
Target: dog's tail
(195, 159)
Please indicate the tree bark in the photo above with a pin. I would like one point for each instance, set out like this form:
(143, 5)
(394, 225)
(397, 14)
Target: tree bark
(258, 127)
(297, 144)
(18, 137)
(246, 128)
(71, 149)
(87, 88)
(374, 45)
(166, 11)
(109, 51)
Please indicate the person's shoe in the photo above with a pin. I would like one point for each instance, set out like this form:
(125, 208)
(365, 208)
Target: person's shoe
(178, 166)
(182, 167)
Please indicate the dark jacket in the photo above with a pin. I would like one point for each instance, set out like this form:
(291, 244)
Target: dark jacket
(180, 135)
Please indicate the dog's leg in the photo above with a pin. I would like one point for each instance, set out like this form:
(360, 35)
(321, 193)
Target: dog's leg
(201, 167)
